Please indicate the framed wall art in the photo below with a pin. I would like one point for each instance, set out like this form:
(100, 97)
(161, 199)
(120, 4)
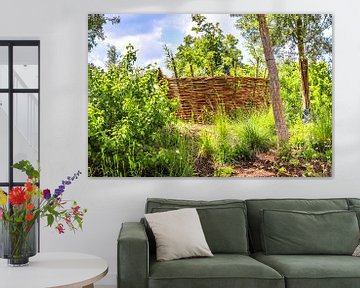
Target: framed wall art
(194, 95)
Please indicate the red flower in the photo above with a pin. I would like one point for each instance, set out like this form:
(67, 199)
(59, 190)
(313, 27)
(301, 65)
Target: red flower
(29, 186)
(29, 206)
(29, 217)
(27, 196)
(17, 196)
(60, 228)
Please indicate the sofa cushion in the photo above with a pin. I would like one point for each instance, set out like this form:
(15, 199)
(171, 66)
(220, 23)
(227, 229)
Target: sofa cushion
(222, 270)
(353, 201)
(356, 209)
(297, 232)
(313, 271)
(254, 217)
(178, 234)
(223, 221)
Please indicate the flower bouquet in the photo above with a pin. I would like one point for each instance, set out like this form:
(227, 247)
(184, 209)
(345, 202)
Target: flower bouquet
(21, 208)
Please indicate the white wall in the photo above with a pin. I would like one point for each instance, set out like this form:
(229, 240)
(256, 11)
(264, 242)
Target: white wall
(62, 28)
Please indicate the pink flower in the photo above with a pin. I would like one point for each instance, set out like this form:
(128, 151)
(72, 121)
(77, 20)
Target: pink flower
(68, 219)
(60, 228)
(76, 210)
(1, 213)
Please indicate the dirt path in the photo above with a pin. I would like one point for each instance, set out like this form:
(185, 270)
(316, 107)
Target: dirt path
(260, 167)
(268, 165)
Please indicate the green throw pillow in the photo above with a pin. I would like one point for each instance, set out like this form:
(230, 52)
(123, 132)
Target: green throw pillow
(299, 232)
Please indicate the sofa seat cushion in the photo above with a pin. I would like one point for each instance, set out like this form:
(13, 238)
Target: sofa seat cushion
(222, 270)
(313, 271)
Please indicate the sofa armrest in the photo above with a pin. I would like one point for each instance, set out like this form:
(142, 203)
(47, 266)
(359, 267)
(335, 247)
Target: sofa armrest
(133, 256)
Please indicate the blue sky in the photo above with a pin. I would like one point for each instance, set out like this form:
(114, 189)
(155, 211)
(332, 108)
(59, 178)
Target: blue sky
(149, 32)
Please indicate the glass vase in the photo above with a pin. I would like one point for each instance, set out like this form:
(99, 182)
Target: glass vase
(18, 242)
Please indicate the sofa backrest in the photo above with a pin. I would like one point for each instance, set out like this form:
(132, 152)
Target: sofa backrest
(223, 221)
(256, 205)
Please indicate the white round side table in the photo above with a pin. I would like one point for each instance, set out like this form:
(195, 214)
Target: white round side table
(50, 270)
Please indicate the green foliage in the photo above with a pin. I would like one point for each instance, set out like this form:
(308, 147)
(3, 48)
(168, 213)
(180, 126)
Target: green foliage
(248, 26)
(320, 90)
(312, 141)
(95, 28)
(218, 141)
(128, 113)
(290, 91)
(112, 56)
(208, 53)
(317, 42)
(224, 171)
(26, 167)
(238, 138)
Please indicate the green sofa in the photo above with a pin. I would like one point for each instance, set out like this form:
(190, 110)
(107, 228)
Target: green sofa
(234, 230)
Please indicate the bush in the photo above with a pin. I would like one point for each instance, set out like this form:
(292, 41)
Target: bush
(128, 110)
(311, 141)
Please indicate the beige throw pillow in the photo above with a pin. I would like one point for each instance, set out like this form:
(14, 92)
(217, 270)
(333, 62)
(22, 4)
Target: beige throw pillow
(178, 234)
(357, 251)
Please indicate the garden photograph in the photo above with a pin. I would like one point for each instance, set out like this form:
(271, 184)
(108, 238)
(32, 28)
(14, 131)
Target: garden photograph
(210, 95)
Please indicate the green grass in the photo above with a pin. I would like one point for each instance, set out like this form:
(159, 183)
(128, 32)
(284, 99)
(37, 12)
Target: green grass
(237, 137)
(173, 151)
(311, 141)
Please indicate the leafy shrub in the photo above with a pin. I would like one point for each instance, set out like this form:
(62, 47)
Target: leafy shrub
(224, 171)
(290, 91)
(310, 141)
(128, 110)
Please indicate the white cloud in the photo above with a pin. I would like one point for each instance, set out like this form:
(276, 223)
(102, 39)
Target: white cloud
(150, 44)
(96, 58)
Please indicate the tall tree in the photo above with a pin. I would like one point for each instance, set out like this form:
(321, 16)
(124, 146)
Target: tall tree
(304, 35)
(208, 51)
(95, 28)
(280, 123)
(170, 60)
(231, 55)
(112, 56)
(249, 30)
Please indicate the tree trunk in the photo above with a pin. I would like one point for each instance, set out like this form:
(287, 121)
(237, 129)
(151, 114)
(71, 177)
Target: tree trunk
(191, 70)
(280, 124)
(303, 64)
(174, 66)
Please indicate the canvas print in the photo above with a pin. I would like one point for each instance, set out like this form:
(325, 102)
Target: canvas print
(202, 95)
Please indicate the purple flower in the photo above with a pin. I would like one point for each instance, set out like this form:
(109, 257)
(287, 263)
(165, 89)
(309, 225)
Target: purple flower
(57, 193)
(68, 181)
(46, 194)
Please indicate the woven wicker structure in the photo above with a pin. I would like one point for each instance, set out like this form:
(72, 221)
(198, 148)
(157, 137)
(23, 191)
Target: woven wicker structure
(200, 94)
